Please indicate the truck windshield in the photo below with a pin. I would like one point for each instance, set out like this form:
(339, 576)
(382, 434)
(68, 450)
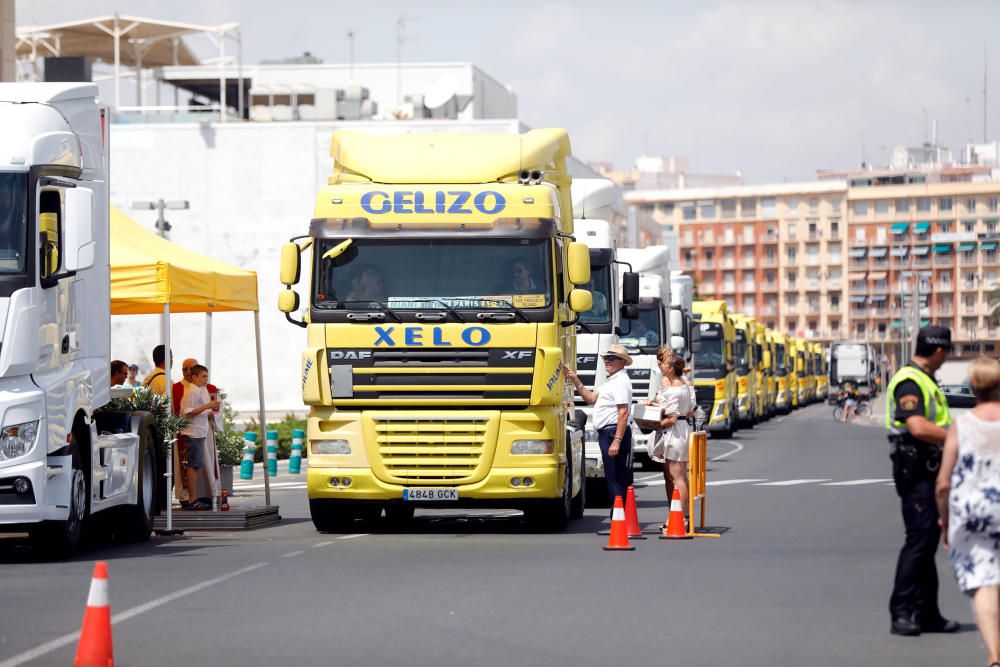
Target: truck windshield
(600, 290)
(645, 331)
(13, 222)
(780, 364)
(434, 274)
(741, 353)
(711, 356)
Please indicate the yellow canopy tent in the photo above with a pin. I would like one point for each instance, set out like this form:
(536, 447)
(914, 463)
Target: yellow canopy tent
(152, 276)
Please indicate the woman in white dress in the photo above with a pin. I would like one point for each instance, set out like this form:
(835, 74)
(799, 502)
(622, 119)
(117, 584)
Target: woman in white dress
(968, 499)
(670, 446)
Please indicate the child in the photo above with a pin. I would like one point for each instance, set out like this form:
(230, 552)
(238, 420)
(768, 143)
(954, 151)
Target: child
(196, 406)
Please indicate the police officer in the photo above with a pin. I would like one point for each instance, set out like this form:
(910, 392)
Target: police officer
(917, 417)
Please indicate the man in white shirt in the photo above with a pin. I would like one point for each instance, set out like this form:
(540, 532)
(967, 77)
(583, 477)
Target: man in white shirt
(612, 406)
(196, 405)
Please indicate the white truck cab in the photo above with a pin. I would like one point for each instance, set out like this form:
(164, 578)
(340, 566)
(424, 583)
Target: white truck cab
(55, 468)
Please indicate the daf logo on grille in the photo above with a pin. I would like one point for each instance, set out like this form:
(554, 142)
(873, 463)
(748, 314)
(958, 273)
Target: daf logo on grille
(350, 354)
(517, 354)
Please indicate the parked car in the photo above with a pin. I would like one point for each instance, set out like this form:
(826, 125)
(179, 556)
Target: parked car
(959, 395)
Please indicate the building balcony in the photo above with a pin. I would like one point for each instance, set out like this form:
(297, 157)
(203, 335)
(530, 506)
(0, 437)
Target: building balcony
(748, 263)
(728, 263)
(769, 261)
(944, 260)
(943, 287)
(769, 309)
(858, 288)
(969, 309)
(833, 284)
(858, 263)
(815, 236)
(990, 259)
(944, 311)
(921, 260)
(769, 287)
(728, 288)
(748, 287)
(968, 261)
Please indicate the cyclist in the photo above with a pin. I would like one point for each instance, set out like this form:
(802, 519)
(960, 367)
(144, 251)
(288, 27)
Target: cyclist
(848, 396)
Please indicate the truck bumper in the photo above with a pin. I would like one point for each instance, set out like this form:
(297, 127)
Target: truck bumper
(495, 490)
(21, 510)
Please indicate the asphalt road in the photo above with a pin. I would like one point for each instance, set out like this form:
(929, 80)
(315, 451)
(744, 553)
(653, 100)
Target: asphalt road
(801, 575)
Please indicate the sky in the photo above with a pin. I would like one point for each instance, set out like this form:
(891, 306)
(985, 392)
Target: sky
(772, 89)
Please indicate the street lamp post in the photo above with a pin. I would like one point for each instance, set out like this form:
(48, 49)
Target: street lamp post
(162, 226)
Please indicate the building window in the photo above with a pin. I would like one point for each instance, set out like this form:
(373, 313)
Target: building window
(748, 208)
(991, 227)
(728, 208)
(793, 205)
(923, 204)
(834, 301)
(834, 229)
(790, 253)
(814, 205)
(709, 255)
(882, 206)
(768, 207)
(902, 206)
(689, 211)
(992, 204)
(860, 327)
(706, 210)
(860, 208)
(969, 225)
(970, 205)
(859, 234)
(945, 226)
(793, 229)
(835, 204)
(945, 204)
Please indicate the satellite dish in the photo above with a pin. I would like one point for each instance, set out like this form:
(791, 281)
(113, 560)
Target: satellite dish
(440, 92)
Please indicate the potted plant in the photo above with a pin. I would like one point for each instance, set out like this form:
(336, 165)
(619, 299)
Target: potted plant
(229, 445)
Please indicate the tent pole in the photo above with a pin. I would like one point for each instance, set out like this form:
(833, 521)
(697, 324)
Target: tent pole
(208, 342)
(260, 398)
(168, 362)
(118, 60)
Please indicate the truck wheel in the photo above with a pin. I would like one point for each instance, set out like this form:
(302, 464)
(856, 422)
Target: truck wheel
(398, 516)
(553, 515)
(61, 538)
(330, 516)
(580, 499)
(138, 522)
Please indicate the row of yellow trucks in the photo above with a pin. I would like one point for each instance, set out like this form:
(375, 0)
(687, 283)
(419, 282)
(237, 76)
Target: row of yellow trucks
(746, 373)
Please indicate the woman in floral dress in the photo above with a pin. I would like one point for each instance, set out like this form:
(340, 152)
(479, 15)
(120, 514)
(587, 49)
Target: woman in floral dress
(968, 498)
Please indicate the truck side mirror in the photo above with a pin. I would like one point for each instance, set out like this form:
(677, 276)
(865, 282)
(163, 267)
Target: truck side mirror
(629, 311)
(677, 344)
(579, 264)
(79, 248)
(675, 321)
(291, 265)
(630, 288)
(288, 301)
(580, 300)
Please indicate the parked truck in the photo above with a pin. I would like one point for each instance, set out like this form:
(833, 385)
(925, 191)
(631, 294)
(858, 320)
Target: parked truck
(854, 363)
(715, 376)
(649, 331)
(681, 323)
(444, 292)
(747, 356)
(62, 462)
(784, 373)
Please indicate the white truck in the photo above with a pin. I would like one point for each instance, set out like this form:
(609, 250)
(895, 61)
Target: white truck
(854, 363)
(649, 331)
(60, 462)
(680, 321)
(595, 203)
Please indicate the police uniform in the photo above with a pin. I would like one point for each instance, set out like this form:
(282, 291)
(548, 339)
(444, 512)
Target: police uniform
(914, 392)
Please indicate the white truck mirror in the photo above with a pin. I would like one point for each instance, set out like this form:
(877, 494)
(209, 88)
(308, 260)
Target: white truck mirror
(676, 321)
(78, 229)
(677, 344)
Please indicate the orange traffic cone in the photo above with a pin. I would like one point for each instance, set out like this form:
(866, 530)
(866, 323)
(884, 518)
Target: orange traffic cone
(618, 539)
(632, 516)
(94, 649)
(675, 520)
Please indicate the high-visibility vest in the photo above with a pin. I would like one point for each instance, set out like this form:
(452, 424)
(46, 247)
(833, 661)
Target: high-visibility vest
(935, 404)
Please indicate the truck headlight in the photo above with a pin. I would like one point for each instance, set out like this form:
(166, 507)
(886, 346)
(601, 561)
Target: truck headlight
(532, 447)
(17, 440)
(340, 447)
(720, 407)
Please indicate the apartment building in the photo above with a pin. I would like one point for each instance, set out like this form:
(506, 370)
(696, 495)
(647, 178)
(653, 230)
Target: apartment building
(773, 251)
(832, 259)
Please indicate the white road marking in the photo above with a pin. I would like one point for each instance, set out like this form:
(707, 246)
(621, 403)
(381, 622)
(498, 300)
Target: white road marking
(738, 447)
(65, 640)
(321, 544)
(726, 482)
(274, 485)
(351, 537)
(646, 478)
(793, 482)
(293, 554)
(857, 482)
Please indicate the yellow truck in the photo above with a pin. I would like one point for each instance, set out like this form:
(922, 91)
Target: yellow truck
(784, 372)
(803, 373)
(714, 367)
(745, 354)
(443, 298)
(760, 344)
(768, 372)
(822, 380)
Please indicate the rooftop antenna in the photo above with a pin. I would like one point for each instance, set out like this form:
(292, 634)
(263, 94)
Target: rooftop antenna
(350, 47)
(925, 124)
(985, 65)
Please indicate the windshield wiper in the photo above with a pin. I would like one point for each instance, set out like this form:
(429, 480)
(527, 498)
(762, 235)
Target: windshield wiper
(384, 308)
(502, 316)
(444, 304)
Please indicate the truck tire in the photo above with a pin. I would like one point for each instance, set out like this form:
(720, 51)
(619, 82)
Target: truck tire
(58, 539)
(579, 503)
(398, 516)
(138, 519)
(331, 516)
(553, 515)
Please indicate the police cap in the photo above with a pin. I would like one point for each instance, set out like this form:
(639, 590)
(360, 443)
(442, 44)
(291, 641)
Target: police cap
(934, 336)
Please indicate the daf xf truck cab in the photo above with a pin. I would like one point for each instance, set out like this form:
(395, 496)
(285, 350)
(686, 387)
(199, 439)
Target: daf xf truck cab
(714, 376)
(444, 292)
(681, 323)
(784, 372)
(61, 462)
(746, 356)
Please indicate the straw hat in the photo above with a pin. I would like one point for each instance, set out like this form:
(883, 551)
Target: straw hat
(620, 352)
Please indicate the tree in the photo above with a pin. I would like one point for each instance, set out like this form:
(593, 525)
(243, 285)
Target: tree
(994, 300)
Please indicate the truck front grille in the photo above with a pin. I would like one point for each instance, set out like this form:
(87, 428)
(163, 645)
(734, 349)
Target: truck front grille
(433, 450)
